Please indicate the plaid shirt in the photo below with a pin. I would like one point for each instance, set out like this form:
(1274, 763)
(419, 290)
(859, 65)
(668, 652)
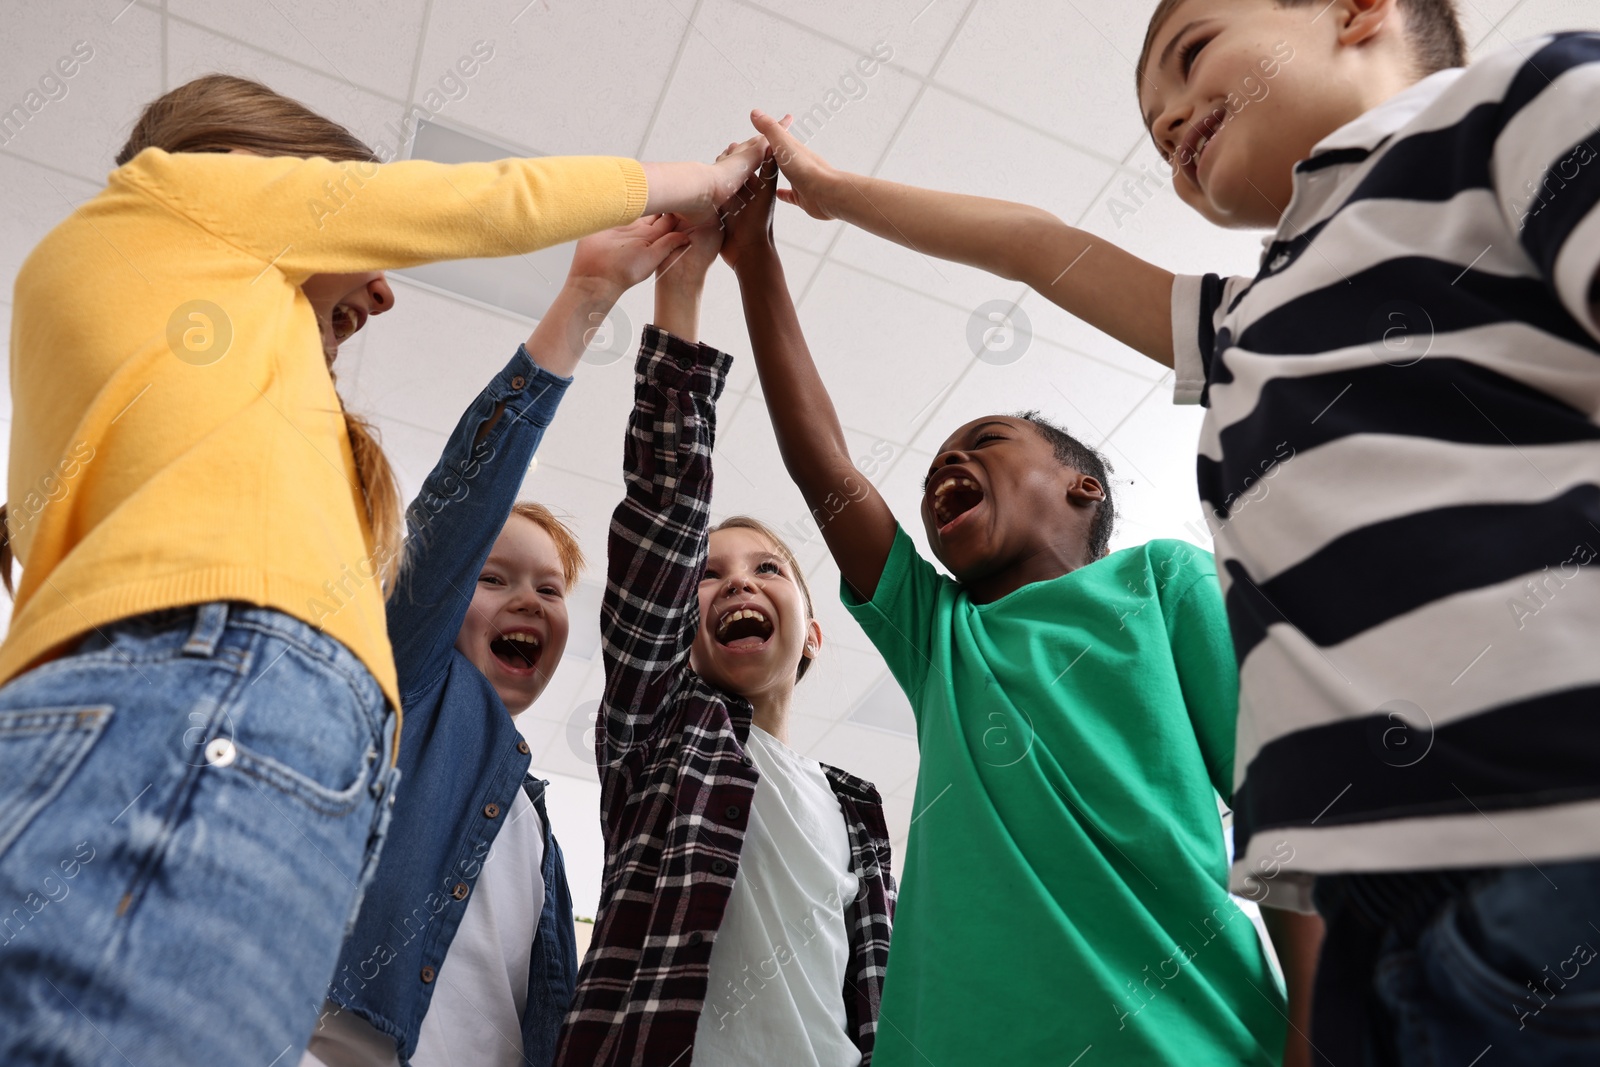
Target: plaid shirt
(676, 784)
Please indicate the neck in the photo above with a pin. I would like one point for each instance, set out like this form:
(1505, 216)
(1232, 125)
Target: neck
(772, 711)
(1051, 561)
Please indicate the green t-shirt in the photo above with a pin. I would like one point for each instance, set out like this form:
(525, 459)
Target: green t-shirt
(1065, 881)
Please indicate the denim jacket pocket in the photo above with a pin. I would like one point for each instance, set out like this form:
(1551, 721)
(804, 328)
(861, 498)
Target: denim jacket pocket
(46, 745)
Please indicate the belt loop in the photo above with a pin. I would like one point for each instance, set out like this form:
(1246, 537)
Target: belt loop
(209, 622)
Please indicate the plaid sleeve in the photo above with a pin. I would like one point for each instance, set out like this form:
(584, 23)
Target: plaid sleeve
(657, 544)
(1544, 164)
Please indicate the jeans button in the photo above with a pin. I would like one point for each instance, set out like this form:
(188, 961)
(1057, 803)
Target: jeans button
(221, 752)
(491, 811)
(460, 891)
(427, 975)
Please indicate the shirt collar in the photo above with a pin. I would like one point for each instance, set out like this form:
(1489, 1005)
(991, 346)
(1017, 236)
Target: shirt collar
(1369, 128)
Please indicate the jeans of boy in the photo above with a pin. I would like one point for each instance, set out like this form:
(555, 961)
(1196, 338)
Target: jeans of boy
(1491, 967)
(190, 804)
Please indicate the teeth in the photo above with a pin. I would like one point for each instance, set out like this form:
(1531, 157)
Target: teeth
(522, 638)
(954, 484)
(734, 616)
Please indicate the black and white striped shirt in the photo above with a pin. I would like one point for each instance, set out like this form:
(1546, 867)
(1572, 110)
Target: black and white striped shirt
(1400, 465)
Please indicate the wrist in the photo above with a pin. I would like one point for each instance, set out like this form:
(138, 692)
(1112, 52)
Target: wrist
(589, 289)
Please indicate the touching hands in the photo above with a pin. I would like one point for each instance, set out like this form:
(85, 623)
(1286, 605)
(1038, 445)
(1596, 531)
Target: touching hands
(609, 263)
(809, 175)
(688, 265)
(747, 217)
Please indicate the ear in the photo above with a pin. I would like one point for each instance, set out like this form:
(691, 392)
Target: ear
(813, 639)
(1362, 20)
(1085, 488)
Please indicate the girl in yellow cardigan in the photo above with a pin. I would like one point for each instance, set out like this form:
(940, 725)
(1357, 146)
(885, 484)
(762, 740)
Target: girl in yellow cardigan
(195, 722)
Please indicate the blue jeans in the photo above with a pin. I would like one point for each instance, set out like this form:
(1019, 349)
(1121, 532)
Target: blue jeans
(191, 803)
(1498, 967)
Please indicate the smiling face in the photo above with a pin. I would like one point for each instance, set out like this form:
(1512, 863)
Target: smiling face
(998, 506)
(754, 627)
(516, 627)
(344, 302)
(1235, 92)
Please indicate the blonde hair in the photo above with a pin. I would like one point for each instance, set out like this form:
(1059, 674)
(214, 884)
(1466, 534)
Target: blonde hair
(779, 545)
(572, 561)
(219, 113)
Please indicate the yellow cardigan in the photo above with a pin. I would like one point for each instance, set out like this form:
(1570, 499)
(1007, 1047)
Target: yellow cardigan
(175, 436)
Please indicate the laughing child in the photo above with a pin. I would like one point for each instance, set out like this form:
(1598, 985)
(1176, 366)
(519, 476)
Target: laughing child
(1065, 882)
(464, 950)
(745, 910)
(1422, 337)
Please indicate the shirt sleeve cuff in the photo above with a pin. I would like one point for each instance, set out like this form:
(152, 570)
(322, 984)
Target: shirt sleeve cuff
(1186, 360)
(668, 360)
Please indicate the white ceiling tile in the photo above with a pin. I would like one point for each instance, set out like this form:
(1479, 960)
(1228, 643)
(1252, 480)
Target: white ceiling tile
(36, 200)
(1067, 68)
(898, 812)
(750, 478)
(940, 147)
(883, 759)
(740, 57)
(839, 628)
(884, 352)
(565, 79)
(78, 123)
(374, 53)
(837, 678)
(192, 51)
(910, 33)
(1478, 19)
(570, 688)
(583, 502)
(1086, 395)
(428, 357)
(1531, 19)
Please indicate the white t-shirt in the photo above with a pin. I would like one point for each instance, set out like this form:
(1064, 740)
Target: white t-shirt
(475, 1016)
(776, 992)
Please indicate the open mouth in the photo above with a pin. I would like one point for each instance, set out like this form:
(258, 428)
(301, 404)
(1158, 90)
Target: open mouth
(953, 498)
(516, 651)
(744, 628)
(345, 321)
(1199, 137)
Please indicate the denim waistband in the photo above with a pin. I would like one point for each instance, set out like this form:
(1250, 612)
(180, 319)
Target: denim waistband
(205, 629)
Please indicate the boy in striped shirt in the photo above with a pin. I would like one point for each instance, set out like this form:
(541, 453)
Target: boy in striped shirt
(1417, 367)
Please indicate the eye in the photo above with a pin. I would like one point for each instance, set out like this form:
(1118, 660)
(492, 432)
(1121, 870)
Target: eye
(769, 567)
(1187, 54)
(555, 591)
(989, 437)
(493, 579)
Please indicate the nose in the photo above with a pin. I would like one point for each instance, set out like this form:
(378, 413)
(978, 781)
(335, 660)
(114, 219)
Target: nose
(736, 583)
(380, 297)
(948, 457)
(527, 602)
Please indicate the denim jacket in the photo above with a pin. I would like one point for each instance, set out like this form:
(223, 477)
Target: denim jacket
(461, 758)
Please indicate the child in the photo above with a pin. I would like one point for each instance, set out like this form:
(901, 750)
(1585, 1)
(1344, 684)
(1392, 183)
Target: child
(463, 950)
(199, 680)
(1077, 708)
(1414, 744)
(744, 916)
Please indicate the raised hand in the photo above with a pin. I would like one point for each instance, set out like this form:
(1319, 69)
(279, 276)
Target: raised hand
(613, 261)
(688, 265)
(809, 174)
(747, 217)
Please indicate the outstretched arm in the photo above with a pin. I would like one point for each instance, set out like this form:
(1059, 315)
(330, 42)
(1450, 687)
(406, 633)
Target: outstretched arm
(856, 523)
(465, 500)
(1110, 289)
(657, 546)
